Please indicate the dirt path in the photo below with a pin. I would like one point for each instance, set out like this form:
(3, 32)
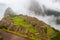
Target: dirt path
(9, 36)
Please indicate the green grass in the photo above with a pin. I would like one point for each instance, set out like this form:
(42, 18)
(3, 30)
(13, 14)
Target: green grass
(57, 37)
(16, 33)
(22, 35)
(50, 32)
(20, 21)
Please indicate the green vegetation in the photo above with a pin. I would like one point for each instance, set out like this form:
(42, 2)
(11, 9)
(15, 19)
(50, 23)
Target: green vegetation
(22, 35)
(3, 27)
(53, 34)
(1, 38)
(20, 21)
(50, 33)
(57, 37)
(20, 25)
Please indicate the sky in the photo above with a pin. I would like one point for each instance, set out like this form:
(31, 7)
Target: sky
(51, 4)
(16, 5)
(24, 4)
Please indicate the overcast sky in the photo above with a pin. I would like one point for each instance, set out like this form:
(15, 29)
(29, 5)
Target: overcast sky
(51, 4)
(23, 4)
(16, 4)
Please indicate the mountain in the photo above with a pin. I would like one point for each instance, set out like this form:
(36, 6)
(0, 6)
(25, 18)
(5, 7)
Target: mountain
(52, 12)
(55, 13)
(27, 27)
(36, 8)
(9, 11)
(22, 27)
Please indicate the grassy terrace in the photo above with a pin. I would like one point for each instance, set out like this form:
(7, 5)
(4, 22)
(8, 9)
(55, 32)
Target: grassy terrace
(20, 21)
(18, 34)
(51, 33)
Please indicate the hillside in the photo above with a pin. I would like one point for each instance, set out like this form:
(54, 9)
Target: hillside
(22, 27)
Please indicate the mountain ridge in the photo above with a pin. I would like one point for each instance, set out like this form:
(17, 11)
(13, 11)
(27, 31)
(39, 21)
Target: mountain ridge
(27, 27)
(23, 27)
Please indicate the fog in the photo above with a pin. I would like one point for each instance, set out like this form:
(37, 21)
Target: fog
(22, 7)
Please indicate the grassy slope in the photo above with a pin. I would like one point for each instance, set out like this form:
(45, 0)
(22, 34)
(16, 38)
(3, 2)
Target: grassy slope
(51, 33)
(20, 21)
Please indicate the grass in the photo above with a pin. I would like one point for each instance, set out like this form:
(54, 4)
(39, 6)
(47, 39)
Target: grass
(22, 35)
(20, 21)
(50, 32)
(57, 37)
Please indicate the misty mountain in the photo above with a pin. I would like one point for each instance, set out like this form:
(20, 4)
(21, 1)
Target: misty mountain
(52, 12)
(9, 11)
(24, 27)
(36, 8)
(41, 9)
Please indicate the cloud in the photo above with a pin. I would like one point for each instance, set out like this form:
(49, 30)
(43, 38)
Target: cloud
(16, 5)
(50, 4)
(2, 9)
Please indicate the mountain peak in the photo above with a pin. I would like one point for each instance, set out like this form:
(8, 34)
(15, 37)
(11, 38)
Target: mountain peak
(9, 12)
